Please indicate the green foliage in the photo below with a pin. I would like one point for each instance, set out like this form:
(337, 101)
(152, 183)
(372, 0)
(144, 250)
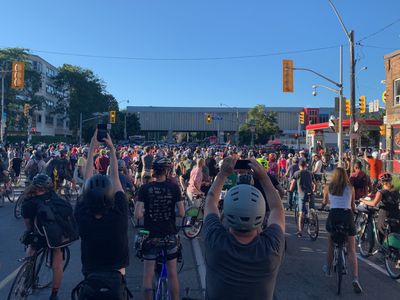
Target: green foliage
(15, 99)
(265, 126)
(396, 182)
(132, 125)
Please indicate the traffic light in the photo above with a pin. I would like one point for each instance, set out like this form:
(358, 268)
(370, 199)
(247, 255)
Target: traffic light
(287, 78)
(301, 117)
(362, 104)
(382, 130)
(112, 117)
(17, 75)
(26, 109)
(348, 110)
(208, 119)
(384, 96)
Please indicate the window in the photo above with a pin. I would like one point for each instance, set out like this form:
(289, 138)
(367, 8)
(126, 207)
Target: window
(50, 89)
(67, 124)
(49, 120)
(396, 89)
(50, 73)
(49, 103)
(323, 118)
(39, 118)
(60, 122)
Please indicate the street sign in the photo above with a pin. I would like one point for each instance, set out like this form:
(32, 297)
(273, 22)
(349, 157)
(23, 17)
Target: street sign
(384, 119)
(376, 105)
(356, 126)
(371, 107)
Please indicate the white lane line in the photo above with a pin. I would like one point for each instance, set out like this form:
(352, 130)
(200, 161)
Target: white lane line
(10, 277)
(201, 265)
(375, 266)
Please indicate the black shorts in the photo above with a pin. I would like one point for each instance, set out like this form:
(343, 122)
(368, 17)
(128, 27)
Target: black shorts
(151, 251)
(340, 216)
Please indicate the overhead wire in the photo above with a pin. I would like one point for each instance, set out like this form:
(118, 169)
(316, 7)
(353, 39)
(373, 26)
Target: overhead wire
(378, 31)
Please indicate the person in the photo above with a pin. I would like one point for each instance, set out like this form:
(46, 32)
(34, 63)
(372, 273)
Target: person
(196, 178)
(360, 181)
(102, 162)
(58, 168)
(125, 179)
(341, 197)
(293, 168)
(102, 217)
(317, 168)
(35, 165)
(159, 199)
(242, 248)
(375, 167)
(388, 199)
(147, 160)
(282, 163)
(39, 191)
(305, 183)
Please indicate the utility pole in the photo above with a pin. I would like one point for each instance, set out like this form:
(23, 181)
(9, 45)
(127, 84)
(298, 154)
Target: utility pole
(2, 107)
(352, 99)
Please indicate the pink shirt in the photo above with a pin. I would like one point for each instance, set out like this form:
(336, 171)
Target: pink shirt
(196, 177)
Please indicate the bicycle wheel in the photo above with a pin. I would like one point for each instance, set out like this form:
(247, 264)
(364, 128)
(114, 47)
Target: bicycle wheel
(366, 240)
(192, 222)
(162, 292)
(43, 267)
(10, 194)
(22, 284)
(313, 225)
(18, 207)
(392, 263)
(339, 268)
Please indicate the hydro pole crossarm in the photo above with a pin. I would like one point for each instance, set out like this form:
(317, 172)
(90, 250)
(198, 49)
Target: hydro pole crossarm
(320, 75)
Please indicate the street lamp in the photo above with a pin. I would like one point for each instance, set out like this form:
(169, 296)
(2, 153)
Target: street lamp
(237, 121)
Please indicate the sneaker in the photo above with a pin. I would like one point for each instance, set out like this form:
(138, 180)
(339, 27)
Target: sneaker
(327, 271)
(356, 286)
(53, 296)
(299, 234)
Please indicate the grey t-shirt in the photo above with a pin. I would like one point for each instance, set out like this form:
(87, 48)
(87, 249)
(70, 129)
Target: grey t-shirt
(237, 271)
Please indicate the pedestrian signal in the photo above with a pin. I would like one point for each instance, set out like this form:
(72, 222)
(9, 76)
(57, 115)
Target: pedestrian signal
(17, 75)
(348, 107)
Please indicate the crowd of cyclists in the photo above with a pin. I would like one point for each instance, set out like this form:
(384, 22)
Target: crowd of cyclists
(161, 182)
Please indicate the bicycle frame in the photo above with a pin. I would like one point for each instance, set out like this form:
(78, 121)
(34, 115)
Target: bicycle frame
(163, 275)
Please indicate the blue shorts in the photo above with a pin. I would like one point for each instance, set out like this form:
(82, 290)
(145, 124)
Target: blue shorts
(303, 200)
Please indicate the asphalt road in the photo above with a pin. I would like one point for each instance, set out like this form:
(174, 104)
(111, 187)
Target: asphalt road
(300, 275)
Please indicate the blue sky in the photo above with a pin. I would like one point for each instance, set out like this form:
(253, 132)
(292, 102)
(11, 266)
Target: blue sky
(185, 29)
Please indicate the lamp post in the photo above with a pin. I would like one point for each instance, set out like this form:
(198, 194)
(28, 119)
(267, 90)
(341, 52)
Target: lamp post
(234, 108)
(252, 130)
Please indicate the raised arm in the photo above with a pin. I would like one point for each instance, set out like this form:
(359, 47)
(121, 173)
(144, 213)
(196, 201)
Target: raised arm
(113, 165)
(89, 164)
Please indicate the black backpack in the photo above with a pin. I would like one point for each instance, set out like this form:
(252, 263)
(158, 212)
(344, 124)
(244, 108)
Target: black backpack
(56, 222)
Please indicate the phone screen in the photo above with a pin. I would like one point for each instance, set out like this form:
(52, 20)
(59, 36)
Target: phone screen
(242, 164)
(101, 132)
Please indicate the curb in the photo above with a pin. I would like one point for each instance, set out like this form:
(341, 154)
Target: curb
(201, 266)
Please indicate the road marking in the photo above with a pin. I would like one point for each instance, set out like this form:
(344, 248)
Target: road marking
(10, 277)
(200, 262)
(375, 266)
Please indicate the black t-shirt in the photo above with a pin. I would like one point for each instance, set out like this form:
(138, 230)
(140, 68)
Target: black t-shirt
(304, 180)
(104, 241)
(16, 163)
(159, 200)
(30, 205)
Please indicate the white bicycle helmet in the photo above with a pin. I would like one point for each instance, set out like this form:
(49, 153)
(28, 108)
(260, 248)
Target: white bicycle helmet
(244, 208)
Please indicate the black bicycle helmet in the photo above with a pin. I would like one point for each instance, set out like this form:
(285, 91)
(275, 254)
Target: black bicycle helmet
(161, 163)
(42, 181)
(98, 194)
(385, 177)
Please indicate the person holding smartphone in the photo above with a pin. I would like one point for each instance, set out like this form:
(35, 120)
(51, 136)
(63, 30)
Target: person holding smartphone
(244, 247)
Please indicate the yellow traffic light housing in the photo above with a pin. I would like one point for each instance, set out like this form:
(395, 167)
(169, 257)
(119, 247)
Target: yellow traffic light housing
(208, 119)
(362, 104)
(301, 117)
(382, 130)
(287, 76)
(384, 96)
(26, 109)
(348, 107)
(18, 75)
(112, 117)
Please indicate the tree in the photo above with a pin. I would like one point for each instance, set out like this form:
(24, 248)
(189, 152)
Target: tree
(132, 125)
(265, 125)
(81, 91)
(14, 100)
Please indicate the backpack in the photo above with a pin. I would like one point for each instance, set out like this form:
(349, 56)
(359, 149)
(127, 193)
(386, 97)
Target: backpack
(102, 285)
(56, 222)
(32, 170)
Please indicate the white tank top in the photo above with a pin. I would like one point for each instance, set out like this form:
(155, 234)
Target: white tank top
(343, 201)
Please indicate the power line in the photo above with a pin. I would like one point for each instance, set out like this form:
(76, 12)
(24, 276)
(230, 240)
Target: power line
(379, 31)
(377, 47)
(184, 59)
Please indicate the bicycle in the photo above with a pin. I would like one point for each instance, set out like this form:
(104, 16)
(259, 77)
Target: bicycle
(369, 243)
(160, 283)
(310, 218)
(35, 273)
(6, 190)
(69, 193)
(18, 207)
(339, 238)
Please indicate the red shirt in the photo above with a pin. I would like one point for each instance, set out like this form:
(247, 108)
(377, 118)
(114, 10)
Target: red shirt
(375, 167)
(102, 162)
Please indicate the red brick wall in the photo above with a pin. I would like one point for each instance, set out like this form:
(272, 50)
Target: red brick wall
(392, 68)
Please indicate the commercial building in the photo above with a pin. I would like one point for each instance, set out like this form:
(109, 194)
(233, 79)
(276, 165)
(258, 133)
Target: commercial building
(159, 123)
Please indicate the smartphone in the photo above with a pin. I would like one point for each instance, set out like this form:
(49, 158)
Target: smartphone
(101, 132)
(242, 164)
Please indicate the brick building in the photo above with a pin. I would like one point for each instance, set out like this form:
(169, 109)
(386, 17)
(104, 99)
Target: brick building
(392, 69)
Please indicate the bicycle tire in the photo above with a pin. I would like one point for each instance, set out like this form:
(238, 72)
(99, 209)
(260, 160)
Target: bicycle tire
(43, 262)
(313, 225)
(162, 292)
(22, 284)
(391, 257)
(366, 240)
(192, 222)
(339, 269)
(18, 207)
(11, 195)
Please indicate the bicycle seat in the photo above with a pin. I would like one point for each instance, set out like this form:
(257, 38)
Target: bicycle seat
(339, 234)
